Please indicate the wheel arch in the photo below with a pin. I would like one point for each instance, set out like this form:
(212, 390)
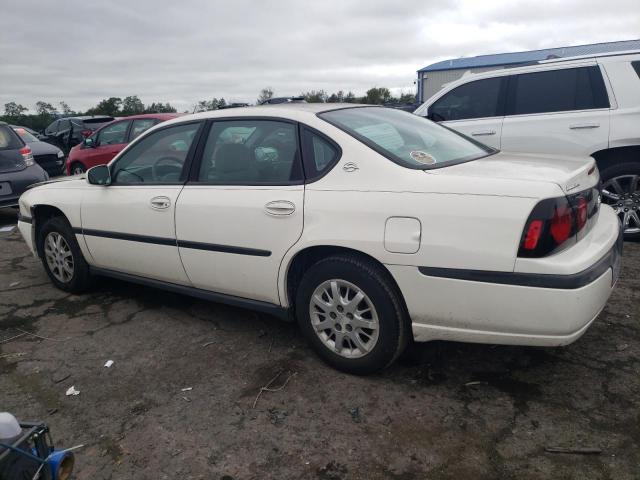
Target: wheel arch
(40, 213)
(297, 264)
(610, 156)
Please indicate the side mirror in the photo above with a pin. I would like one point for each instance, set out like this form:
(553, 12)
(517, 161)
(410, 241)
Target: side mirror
(89, 142)
(99, 175)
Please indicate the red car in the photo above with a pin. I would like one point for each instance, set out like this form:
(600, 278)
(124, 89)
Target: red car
(106, 142)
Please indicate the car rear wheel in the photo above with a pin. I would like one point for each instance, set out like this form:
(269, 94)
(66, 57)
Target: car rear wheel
(352, 316)
(77, 169)
(61, 256)
(621, 190)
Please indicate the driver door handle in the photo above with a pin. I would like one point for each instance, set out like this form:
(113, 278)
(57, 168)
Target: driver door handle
(160, 203)
(479, 133)
(280, 207)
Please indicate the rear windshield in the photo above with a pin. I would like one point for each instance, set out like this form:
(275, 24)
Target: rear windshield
(92, 123)
(407, 139)
(8, 139)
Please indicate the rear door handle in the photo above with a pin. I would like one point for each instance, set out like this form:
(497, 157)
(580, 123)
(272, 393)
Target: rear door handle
(583, 126)
(160, 203)
(481, 133)
(280, 207)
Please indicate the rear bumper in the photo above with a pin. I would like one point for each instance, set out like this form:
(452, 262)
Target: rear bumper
(19, 181)
(518, 308)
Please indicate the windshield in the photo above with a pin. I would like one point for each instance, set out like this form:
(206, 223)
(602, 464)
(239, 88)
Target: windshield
(404, 138)
(26, 136)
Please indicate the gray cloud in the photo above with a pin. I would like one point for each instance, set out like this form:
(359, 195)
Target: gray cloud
(181, 52)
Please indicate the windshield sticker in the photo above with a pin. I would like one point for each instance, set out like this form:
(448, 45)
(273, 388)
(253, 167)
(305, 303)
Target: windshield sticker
(422, 157)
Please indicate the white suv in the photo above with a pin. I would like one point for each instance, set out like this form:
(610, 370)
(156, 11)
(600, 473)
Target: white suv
(576, 106)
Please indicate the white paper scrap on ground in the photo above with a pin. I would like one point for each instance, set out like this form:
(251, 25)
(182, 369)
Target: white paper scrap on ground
(187, 389)
(108, 364)
(72, 391)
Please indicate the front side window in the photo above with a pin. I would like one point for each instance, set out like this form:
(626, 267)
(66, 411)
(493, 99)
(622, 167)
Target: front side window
(158, 158)
(52, 128)
(406, 139)
(251, 152)
(140, 126)
(558, 91)
(113, 134)
(479, 99)
(64, 126)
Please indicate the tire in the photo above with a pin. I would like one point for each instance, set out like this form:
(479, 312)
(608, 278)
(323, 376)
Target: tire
(625, 174)
(351, 274)
(77, 168)
(79, 279)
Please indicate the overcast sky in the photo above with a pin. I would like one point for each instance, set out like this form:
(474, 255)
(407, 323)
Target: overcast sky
(184, 51)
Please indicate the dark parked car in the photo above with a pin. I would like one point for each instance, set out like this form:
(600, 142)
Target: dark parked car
(48, 156)
(18, 169)
(68, 132)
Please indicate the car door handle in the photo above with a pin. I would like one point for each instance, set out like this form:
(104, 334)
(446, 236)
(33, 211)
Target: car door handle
(280, 207)
(481, 133)
(583, 126)
(160, 203)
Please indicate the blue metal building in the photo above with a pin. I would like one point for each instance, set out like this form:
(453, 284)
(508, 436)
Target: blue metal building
(434, 76)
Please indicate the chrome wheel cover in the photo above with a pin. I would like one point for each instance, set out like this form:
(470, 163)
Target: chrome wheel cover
(344, 318)
(623, 194)
(59, 257)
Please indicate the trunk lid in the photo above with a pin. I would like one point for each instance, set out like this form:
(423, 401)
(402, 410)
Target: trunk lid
(571, 174)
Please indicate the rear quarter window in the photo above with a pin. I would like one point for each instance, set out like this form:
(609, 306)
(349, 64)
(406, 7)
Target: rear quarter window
(9, 140)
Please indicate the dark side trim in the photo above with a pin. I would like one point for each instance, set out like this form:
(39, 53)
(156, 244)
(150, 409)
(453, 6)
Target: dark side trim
(611, 259)
(269, 308)
(211, 247)
(22, 218)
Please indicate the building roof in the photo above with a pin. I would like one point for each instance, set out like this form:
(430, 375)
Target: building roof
(515, 58)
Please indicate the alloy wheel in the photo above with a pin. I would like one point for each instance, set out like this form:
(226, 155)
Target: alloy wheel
(623, 194)
(344, 318)
(59, 257)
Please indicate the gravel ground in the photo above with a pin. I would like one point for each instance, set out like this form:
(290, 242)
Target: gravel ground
(445, 410)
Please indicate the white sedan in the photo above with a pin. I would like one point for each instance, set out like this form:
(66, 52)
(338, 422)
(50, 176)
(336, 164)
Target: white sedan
(372, 227)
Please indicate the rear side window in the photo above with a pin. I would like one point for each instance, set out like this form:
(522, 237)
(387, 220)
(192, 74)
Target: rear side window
(636, 67)
(141, 125)
(113, 134)
(9, 140)
(557, 91)
(320, 154)
(479, 99)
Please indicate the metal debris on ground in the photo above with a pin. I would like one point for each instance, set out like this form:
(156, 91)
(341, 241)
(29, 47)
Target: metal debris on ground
(108, 363)
(14, 284)
(477, 382)
(576, 450)
(267, 387)
(187, 389)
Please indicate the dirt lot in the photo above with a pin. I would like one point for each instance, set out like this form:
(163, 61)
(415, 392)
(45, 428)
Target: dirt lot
(445, 410)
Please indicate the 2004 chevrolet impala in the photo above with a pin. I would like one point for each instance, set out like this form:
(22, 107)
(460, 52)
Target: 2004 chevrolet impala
(371, 226)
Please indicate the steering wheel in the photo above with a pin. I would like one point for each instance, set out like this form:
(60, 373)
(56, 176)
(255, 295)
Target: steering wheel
(171, 162)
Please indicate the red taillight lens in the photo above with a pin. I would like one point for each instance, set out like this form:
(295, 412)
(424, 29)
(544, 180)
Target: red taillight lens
(27, 156)
(25, 151)
(561, 224)
(533, 235)
(582, 208)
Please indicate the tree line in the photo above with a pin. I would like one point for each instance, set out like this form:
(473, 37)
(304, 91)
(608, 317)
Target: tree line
(45, 112)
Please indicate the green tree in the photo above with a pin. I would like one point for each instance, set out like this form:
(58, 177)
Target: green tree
(45, 109)
(336, 97)
(265, 94)
(14, 110)
(109, 106)
(378, 96)
(132, 105)
(160, 108)
(407, 98)
(315, 96)
(65, 109)
(350, 97)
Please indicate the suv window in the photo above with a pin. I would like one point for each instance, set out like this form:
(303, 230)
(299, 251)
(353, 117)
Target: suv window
(320, 154)
(158, 158)
(9, 140)
(557, 91)
(52, 128)
(140, 126)
(478, 99)
(113, 134)
(251, 152)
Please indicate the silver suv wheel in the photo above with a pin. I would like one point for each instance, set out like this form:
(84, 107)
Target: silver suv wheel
(623, 194)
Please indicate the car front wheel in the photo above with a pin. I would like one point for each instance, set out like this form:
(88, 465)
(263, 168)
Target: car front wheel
(351, 314)
(61, 256)
(77, 169)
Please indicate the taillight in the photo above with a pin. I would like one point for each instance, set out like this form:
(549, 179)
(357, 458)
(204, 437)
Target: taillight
(27, 156)
(556, 223)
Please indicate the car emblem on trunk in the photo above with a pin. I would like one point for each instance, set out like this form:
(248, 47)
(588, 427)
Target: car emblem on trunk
(350, 167)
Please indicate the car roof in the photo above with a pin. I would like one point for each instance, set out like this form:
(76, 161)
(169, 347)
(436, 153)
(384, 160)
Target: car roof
(161, 116)
(290, 111)
(85, 117)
